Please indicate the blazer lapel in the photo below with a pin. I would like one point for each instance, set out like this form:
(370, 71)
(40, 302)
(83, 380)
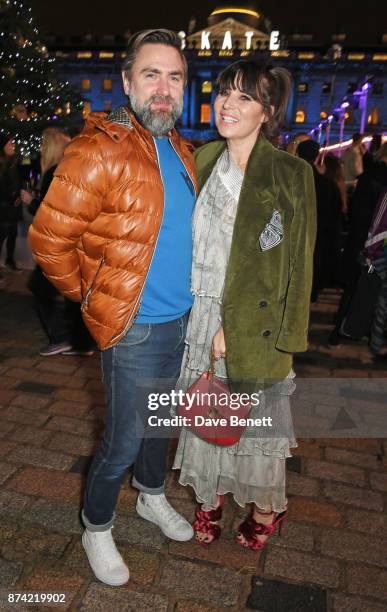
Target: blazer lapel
(259, 182)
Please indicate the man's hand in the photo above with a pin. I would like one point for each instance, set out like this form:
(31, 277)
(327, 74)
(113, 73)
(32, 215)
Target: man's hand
(26, 196)
(219, 344)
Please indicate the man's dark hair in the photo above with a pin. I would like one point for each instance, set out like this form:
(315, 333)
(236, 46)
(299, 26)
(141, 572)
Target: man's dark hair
(308, 150)
(357, 137)
(152, 37)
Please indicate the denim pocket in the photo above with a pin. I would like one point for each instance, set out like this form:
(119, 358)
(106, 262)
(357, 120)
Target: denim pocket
(182, 324)
(137, 334)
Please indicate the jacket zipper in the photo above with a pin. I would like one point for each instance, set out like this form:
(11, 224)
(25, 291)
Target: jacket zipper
(184, 166)
(135, 309)
(88, 293)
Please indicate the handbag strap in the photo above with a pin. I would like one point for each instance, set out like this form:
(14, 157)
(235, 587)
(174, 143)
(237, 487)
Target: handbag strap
(211, 367)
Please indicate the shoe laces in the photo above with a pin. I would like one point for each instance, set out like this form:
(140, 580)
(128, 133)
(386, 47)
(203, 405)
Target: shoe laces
(106, 548)
(165, 508)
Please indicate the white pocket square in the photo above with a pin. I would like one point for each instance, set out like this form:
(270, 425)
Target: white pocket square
(273, 232)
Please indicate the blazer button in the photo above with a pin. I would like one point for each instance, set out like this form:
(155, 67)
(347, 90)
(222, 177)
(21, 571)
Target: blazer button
(263, 304)
(266, 333)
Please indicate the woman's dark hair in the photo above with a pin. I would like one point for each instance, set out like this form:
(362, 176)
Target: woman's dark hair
(376, 143)
(269, 85)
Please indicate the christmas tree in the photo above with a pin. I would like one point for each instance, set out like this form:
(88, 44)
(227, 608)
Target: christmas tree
(31, 95)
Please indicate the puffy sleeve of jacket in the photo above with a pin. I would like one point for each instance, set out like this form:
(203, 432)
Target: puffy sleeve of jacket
(73, 200)
(293, 337)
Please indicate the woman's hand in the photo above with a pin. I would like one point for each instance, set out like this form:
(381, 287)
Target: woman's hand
(26, 196)
(219, 344)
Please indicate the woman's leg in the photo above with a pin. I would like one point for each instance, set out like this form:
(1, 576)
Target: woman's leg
(206, 525)
(11, 246)
(257, 528)
(265, 484)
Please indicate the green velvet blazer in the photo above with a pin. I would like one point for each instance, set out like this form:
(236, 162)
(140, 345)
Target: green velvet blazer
(269, 276)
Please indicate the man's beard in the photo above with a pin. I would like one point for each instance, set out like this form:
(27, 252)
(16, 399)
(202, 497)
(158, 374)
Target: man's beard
(158, 122)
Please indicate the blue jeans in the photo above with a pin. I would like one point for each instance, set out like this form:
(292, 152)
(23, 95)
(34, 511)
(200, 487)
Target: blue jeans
(146, 360)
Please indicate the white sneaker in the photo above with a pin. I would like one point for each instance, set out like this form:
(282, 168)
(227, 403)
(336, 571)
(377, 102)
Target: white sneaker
(104, 558)
(157, 509)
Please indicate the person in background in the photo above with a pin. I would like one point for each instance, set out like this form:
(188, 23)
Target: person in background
(334, 171)
(369, 188)
(376, 254)
(295, 141)
(62, 322)
(353, 161)
(328, 199)
(375, 145)
(10, 211)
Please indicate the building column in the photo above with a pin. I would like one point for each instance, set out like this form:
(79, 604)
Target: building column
(291, 105)
(184, 115)
(213, 96)
(192, 104)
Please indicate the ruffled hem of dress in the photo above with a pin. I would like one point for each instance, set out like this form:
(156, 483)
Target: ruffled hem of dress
(189, 480)
(272, 452)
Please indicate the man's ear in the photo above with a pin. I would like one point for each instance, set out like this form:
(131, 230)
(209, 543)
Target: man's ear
(125, 82)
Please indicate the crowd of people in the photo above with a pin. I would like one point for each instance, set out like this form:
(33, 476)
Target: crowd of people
(183, 260)
(351, 234)
(363, 218)
(60, 319)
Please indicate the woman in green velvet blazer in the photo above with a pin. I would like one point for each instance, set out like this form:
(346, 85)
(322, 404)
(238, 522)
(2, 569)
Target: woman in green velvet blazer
(254, 234)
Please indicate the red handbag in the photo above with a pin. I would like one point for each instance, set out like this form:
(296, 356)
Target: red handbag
(209, 409)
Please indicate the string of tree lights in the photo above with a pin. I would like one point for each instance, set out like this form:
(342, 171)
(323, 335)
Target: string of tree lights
(32, 96)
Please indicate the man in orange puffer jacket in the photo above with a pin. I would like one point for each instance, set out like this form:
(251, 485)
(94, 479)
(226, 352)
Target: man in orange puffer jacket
(114, 232)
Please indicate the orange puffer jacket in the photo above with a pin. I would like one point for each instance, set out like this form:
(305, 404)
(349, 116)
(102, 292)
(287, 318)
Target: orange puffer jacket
(95, 233)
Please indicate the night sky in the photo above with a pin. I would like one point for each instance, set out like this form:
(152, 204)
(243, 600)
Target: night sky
(323, 18)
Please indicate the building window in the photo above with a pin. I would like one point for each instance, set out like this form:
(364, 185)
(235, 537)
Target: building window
(107, 84)
(355, 57)
(351, 88)
(205, 113)
(86, 109)
(373, 117)
(107, 106)
(302, 87)
(377, 89)
(326, 88)
(86, 84)
(349, 116)
(206, 87)
(300, 116)
(84, 54)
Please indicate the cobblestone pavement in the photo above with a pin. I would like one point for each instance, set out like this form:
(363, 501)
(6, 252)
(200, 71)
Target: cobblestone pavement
(332, 554)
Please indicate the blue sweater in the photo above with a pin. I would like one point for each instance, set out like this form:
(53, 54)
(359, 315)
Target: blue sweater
(167, 293)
